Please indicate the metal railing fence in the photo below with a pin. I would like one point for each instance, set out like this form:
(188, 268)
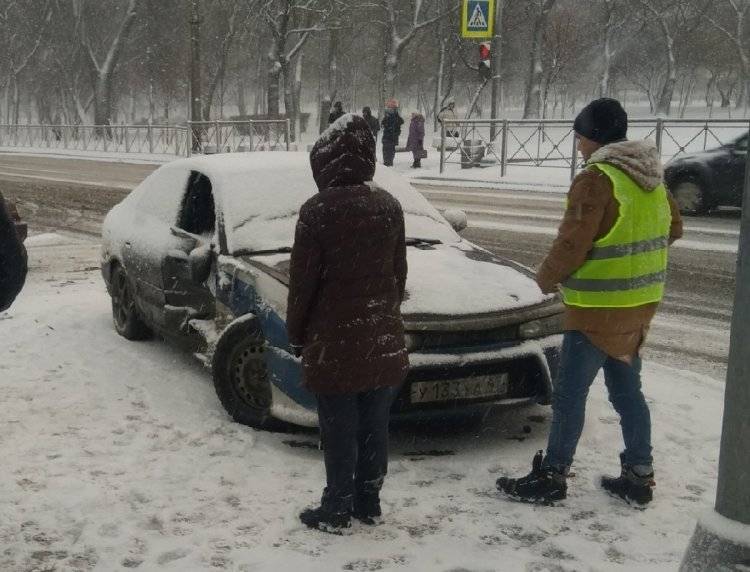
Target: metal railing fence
(179, 140)
(239, 136)
(551, 143)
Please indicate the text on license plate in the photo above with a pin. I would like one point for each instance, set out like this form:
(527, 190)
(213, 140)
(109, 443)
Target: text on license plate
(467, 388)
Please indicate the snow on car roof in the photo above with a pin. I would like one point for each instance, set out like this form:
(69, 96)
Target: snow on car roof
(261, 193)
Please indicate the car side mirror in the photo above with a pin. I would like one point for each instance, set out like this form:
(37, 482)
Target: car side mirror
(456, 218)
(199, 261)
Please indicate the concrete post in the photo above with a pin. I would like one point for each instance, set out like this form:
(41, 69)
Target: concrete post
(722, 539)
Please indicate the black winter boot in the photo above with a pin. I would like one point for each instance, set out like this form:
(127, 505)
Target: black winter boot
(326, 520)
(334, 515)
(542, 485)
(367, 508)
(631, 486)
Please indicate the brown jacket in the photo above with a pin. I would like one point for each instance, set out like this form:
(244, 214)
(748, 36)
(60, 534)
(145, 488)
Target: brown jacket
(591, 213)
(347, 281)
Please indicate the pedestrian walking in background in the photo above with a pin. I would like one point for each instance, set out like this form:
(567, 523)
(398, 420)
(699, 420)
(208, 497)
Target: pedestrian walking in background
(336, 112)
(371, 121)
(391, 123)
(448, 113)
(13, 259)
(347, 282)
(415, 141)
(610, 257)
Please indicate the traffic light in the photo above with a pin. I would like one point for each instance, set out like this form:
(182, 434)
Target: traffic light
(485, 49)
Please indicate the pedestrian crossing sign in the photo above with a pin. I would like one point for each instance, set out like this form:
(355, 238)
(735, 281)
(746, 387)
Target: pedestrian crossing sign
(477, 19)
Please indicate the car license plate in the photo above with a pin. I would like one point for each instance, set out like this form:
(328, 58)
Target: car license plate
(456, 389)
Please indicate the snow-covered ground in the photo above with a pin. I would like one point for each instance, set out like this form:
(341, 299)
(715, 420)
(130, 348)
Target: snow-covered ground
(118, 455)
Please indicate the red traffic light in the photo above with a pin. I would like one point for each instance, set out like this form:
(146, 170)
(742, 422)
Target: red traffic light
(484, 51)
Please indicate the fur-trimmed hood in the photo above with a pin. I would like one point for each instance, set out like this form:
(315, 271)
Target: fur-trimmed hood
(639, 159)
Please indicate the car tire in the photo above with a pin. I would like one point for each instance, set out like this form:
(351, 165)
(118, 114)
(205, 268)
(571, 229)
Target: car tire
(125, 316)
(241, 378)
(690, 196)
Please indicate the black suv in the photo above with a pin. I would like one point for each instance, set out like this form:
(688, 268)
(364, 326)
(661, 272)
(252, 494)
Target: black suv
(708, 179)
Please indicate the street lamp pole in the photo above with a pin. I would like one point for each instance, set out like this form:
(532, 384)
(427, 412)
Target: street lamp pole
(196, 107)
(495, 63)
(722, 538)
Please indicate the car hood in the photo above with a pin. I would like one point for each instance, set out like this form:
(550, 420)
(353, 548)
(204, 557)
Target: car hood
(444, 281)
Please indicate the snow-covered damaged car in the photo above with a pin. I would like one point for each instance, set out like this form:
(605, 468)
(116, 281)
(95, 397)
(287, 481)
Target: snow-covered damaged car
(199, 253)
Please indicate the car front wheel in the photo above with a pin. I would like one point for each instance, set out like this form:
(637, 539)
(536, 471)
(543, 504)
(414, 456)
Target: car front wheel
(241, 378)
(124, 314)
(690, 197)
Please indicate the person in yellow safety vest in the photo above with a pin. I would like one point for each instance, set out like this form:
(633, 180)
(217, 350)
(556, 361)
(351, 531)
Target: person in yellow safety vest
(609, 261)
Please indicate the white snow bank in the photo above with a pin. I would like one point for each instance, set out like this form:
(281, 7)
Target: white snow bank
(723, 527)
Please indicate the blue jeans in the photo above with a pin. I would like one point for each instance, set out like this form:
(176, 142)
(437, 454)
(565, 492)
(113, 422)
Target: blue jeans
(580, 362)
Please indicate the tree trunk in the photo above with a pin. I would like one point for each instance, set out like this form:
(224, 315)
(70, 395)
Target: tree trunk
(475, 98)
(604, 83)
(241, 97)
(333, 81)
(437, 104)
(533, 103)
(297, 119)
(274, 88)
(16, 102)
(103, 104)
(289, 104)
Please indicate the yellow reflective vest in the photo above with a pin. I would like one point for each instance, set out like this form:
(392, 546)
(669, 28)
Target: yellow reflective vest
(627, 267)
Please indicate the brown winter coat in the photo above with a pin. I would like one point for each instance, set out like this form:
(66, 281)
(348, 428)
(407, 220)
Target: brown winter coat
(348, 276)
(591, 213)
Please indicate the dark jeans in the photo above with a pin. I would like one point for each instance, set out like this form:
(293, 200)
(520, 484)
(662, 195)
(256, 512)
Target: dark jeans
(389, 153)
(354, 432)
(580, 362)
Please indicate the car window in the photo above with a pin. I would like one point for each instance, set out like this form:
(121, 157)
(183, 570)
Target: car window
(741, 144)
(162, 192)
(198, 214)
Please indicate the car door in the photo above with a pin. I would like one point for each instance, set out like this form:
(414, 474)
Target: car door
(185, 296)
(149, 238)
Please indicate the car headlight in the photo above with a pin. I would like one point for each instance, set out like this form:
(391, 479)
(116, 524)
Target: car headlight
(541, 328)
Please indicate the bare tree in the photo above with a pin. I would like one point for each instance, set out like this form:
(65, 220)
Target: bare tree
(533, 103)
(22, 29)
(230, 22)
(287, 41)
(398, 39)
(102, 69)
(737, 36)
(614, 19)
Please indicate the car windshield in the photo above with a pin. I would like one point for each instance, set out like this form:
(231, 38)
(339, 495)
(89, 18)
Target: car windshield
(261, 196)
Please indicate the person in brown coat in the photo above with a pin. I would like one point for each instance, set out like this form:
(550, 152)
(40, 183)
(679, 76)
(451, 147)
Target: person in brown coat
(609, 333)
(347, 282)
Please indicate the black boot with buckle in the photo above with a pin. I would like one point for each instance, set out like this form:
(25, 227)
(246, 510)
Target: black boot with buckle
(543, 485)
(634, 485)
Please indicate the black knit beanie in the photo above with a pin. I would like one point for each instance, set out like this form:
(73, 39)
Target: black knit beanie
(603, 120)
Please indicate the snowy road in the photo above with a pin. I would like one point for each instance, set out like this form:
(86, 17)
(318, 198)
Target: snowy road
(692, 328)
(118, 456)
